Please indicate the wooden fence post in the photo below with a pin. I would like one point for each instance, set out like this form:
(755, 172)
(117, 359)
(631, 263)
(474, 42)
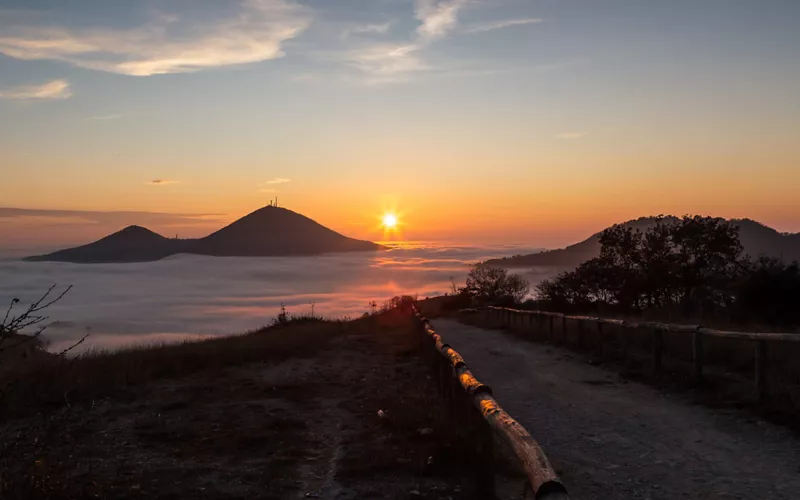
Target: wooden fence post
(761, 370)
(658, 350)
(697, 352)
(484, 463)
(599, 339)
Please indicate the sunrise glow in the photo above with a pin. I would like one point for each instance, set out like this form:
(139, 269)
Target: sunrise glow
(389, 221)
(399, 94)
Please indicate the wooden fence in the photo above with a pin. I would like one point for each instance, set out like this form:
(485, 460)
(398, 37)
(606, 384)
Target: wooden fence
(593, 334)
(472, 401)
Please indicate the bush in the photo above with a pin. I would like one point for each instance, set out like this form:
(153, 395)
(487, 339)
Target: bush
(769, 292)
(491, 285)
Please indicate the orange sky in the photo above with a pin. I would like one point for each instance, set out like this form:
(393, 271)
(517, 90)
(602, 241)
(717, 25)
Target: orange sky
(480, 122)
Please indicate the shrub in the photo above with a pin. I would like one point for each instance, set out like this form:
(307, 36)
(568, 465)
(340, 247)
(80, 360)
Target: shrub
(491, 285)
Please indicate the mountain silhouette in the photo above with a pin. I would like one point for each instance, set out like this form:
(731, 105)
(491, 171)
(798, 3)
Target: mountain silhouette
(277, 231)
(756, 238)
(269, 231)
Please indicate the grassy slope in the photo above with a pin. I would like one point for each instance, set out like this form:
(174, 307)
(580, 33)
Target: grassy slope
(278, 413)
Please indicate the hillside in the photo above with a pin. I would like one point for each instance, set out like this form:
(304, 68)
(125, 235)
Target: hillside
(276, 231)
(284, 412)
(756, 238)
(132, 244)
(269, 231)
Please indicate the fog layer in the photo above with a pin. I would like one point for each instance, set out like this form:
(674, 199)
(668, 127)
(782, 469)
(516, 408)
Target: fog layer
(192, 296)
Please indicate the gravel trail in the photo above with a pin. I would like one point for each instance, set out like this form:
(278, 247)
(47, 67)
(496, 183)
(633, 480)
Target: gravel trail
(614, 439)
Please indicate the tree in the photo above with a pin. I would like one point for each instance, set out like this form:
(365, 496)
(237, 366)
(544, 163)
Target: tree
(493, 285)
(709, 260)
(692, 262)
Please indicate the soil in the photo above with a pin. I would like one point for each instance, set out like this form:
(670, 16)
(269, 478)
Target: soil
(305, 426)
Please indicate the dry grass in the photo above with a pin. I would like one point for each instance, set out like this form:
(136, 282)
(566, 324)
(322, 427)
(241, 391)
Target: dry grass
(51, 381)
(277, 413)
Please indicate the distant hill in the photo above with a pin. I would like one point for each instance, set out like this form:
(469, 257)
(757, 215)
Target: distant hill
(269, 231)
(757, 239)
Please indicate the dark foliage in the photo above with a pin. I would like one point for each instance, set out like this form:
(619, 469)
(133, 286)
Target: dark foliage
(492, 285)
(771, 290)
(693, 266)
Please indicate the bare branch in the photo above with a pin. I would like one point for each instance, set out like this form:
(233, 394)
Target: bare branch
(10, 307)
(15, 324)
(73, 346)
(39, 308)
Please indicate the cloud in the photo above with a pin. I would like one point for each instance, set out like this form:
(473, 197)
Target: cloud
(570, 135)
(498, 25)
(267, 190)
(8, 214)
(438, 17)
(395, 62)
(57, 89)
(169, 43)
(368, 29)
(104, 118)
(278, 180)
(385, 63)
(162, 182)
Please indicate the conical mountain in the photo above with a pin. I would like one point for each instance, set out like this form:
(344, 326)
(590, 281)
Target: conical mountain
(277, 231)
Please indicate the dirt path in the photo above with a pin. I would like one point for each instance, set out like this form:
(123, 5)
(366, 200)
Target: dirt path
(613, 439)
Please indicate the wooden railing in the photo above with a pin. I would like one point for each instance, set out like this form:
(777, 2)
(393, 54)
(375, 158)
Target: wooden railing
(553, 326)
(472, 401)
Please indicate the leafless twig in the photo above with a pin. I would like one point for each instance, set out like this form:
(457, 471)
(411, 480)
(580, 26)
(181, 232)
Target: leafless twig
(15, 324)
(73, 346)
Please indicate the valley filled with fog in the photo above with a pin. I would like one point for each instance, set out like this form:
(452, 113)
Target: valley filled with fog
(189, 296)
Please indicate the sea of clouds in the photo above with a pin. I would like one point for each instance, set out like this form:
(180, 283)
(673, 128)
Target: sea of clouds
(189, 296)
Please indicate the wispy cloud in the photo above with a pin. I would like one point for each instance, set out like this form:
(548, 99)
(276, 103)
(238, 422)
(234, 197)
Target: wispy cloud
(57, 89)
(438, 17)
(498, 25)
(278, 180)
(170, 43)
(391, 62)
(367, 29)
(115, 217)
(570, 135)
(162, 182)
(267, 190)
(386, 62)
(104, 118)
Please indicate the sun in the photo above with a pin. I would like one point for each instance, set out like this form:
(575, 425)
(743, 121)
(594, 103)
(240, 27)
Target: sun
(389, 221)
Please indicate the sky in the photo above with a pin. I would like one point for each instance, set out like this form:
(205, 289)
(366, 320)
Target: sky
(503, 121)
